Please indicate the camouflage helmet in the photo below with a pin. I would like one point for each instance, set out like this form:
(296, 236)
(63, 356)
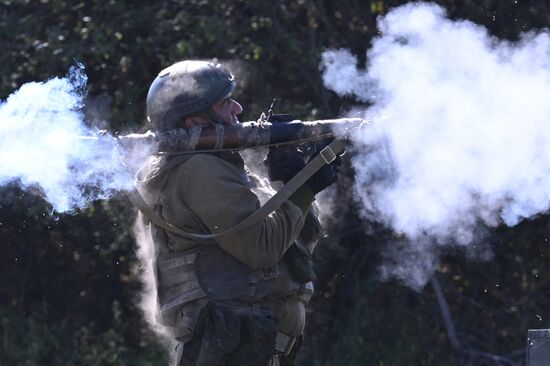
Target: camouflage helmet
(184, 89)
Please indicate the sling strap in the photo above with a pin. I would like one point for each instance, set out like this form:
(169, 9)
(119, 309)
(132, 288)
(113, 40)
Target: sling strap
(326, 156)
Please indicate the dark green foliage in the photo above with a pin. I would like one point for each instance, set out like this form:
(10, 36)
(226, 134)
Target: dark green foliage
(69, 292)
(68, 284)
(36, 340)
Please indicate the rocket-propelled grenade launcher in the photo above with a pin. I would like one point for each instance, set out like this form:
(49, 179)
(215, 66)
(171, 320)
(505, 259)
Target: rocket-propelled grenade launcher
(240, 136)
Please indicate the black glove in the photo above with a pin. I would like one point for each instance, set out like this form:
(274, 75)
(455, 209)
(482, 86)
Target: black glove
(325, 176)
(283, 163)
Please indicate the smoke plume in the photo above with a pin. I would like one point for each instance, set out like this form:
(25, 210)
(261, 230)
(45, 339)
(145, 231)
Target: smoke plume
(42, 144)
(461, 137)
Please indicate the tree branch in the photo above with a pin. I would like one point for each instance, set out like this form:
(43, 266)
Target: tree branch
(451, 329)
(445, 313)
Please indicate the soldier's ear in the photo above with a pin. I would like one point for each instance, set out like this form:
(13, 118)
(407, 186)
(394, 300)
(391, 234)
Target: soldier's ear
(192, 121)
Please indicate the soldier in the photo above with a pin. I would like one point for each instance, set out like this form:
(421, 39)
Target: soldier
(237, 299)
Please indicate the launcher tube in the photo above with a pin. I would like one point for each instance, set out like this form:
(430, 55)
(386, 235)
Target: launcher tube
(242, 135)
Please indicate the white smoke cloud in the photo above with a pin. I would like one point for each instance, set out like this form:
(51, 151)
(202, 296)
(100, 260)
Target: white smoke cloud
(40, 126)
(45, 142)
(464, 118)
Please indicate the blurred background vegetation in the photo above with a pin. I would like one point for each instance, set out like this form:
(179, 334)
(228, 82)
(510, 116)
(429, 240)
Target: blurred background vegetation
(69, 286)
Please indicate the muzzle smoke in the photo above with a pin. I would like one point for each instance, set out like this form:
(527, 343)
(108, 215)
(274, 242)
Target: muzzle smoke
(40, 125)
(464, 118)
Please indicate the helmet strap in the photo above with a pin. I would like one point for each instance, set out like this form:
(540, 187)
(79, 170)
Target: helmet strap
(215, 118)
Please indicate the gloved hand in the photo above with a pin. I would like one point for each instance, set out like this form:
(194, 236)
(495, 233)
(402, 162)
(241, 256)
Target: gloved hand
(283, 163)
(325, 176)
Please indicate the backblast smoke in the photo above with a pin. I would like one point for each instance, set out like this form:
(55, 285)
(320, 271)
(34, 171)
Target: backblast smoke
(40, 125)
(461, 138)
(45, 143)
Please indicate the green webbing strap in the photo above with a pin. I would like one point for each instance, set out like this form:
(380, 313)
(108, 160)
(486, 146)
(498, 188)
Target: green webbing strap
(326, 156)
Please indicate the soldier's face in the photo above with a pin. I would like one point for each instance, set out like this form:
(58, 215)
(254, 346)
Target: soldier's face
(227, 110)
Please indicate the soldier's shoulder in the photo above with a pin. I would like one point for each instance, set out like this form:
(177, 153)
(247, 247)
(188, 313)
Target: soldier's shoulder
(204, 160)
(201, 163)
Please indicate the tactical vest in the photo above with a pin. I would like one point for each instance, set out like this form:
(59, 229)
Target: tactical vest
(206, 271)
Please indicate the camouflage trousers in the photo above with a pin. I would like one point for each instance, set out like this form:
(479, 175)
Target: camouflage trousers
(229, 335)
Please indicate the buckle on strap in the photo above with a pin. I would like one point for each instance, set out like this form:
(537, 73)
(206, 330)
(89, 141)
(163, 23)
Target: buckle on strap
(265, 274)
(284, 343)
(328, 155)
(271, 272)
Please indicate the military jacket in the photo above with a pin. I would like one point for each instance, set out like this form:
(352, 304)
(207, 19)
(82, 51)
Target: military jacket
(208, 194)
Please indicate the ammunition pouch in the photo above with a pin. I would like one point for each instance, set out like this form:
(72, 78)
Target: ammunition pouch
(299, 263)
(177, 283)
(298, 258)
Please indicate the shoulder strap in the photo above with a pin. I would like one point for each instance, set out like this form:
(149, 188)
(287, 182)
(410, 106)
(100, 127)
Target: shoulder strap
(326, 156)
